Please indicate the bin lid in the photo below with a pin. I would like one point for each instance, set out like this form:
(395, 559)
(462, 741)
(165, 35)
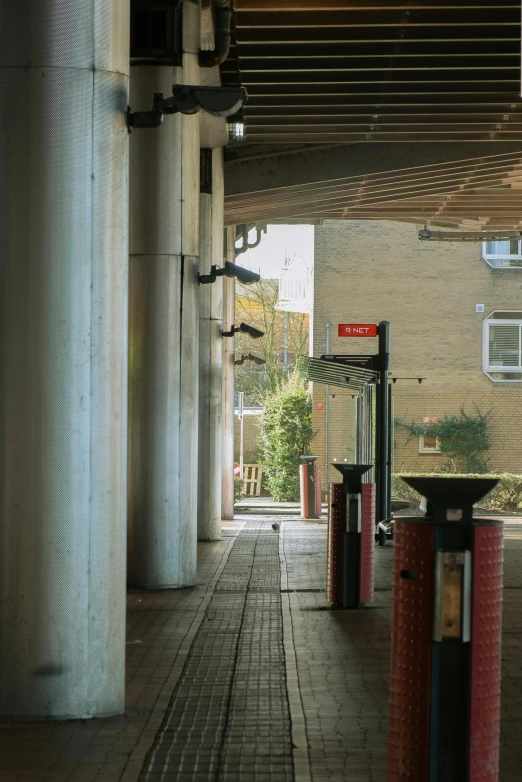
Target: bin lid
(352, 474)
(449, 492)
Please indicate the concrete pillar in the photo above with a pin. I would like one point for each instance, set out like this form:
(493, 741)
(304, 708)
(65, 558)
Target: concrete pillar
(63, 357)
(229, 307)
(164, 329)
(211, 357)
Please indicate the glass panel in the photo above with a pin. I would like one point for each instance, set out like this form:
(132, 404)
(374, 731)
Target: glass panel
(498, 248)
(430, 442)
(504, 345)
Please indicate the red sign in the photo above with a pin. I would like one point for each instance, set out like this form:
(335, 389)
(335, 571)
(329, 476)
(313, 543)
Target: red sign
(357, 330)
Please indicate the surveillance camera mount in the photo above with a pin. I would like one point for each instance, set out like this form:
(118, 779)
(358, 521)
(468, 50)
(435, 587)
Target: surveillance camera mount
(233, 330)
(189, 99)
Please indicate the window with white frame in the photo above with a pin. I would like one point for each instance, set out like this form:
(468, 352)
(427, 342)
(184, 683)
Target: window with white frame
(506, 254)
(502, 346)
(428, 443)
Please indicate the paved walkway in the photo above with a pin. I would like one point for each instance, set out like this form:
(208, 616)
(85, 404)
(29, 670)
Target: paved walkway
(248, 677)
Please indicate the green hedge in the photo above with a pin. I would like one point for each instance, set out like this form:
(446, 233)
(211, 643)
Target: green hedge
(506, 496)
(285, 433)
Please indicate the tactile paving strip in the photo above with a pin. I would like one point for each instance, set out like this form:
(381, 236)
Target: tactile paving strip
(228, 719)
(486, 654)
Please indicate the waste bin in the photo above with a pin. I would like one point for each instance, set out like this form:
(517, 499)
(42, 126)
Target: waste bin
(446, 636)
(350, 549)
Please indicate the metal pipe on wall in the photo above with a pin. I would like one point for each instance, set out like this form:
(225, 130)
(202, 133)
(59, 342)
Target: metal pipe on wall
(164, 330)
(229, 306)
(211, 357)
(63, 338)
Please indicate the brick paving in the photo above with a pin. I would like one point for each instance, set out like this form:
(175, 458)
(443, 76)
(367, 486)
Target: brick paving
(215, 674)
(343, 661)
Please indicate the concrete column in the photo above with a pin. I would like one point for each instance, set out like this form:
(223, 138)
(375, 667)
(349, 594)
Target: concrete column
(211, 357)
(63, 357)
(229, 308)
(164, 330)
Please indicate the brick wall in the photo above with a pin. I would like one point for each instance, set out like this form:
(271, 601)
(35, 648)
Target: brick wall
(367, 271)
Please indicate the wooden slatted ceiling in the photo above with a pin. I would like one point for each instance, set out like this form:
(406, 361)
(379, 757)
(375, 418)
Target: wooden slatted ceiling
(378, 70)
(468, 195)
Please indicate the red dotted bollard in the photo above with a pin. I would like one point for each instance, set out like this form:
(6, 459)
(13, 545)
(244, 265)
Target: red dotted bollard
(486, 656)
(410, 680)
(367, 542)
(335, 546)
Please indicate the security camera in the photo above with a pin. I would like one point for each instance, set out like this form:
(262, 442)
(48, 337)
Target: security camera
(251, 331)
(219, 101)
(243, 275)
(230, 270)
(250, 357)
(189, 99)
(256, 359)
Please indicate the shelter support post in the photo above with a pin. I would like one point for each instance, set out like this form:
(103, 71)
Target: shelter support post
(63, 338)
(164, 330)
(211, 357)
(229, 305)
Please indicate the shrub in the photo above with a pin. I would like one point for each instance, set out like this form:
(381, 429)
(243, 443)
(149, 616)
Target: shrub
(238, 489)
(285, 434)
(506, 496)
(463, 439)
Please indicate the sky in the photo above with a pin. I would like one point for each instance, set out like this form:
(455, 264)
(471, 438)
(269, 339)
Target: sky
(280, 241)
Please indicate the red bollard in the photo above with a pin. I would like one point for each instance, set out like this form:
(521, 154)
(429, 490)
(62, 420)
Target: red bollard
(335, 545)
(308, 484)
(367, 542)
(446, 638)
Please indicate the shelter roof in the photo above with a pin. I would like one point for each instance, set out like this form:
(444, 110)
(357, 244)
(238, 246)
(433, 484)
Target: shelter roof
(320, 71)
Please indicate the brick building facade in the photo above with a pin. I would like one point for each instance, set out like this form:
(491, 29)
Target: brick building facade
(431, 293)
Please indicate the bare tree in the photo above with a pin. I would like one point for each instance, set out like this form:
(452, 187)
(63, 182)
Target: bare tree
(286, 337)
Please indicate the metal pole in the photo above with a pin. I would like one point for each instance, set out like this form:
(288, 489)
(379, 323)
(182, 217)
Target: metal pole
(389, 464)
(240, 397)
(164, 331)
(327, 420)
(360, 443)
(369, 426)
(383, 423)
(63, 356)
